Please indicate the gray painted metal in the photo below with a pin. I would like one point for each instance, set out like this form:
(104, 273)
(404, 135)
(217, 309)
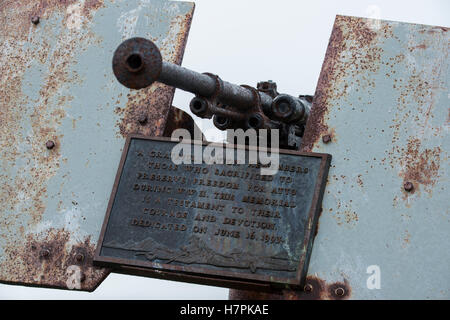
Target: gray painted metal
(383, 97)
(57, 85)
(381, 109)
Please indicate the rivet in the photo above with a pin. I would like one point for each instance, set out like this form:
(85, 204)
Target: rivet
(308, 288)
(79, 257)
(408, 186)
(35, 19)
(50, 145)
(142, 119)
(45, 253)
(339, 292)
(326, 138)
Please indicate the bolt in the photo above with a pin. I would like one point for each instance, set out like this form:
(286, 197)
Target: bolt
(326, 138)
(339, 292)
(408, 186)
(35, 20)
(79, 257)
(308, 288)
(143, 119)
(44, 253)
(266, 85)
(50, 145)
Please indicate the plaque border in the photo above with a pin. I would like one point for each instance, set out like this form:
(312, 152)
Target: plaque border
(199, 275)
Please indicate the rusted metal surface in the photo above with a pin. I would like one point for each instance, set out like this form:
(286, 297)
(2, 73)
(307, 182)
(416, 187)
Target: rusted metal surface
(381, 109)
(63, 119)
(314, 289)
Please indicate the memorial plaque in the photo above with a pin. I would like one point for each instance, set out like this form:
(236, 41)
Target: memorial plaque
(219, 224)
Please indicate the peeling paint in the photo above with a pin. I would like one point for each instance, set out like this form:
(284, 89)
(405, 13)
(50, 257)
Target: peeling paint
(56, 84)
(382, 97)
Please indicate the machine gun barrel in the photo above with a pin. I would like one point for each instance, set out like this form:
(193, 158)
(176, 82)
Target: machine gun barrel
(208, 86)
(138, 63)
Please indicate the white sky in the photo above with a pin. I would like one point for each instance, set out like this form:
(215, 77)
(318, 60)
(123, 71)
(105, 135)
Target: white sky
(244, 42)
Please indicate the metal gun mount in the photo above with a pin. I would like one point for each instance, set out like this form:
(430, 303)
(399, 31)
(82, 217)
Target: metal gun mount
(138, 63)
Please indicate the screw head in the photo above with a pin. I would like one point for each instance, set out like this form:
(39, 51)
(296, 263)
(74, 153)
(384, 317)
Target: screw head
(35, 19)
(266, 85)
(308, 288)
(44, 253)
(339, 292)
(50, 145)
(142, 119)
(326, 138)
(79, 257)
(408, 186)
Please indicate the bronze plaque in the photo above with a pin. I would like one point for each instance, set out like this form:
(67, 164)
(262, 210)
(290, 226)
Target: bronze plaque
(220, 224)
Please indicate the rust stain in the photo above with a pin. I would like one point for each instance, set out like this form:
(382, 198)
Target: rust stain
(314, 289)
(154, 102)
(406, 239)
(415, 103)
(420, 46)
(438, 29)
(353, 36)
(344, 213)
(316, 231)
(360, 181)
(420, 167)
(46, 259)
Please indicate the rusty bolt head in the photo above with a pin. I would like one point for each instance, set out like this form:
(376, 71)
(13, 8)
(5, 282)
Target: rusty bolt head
(79, 257)
(143, 119)
(267, 85)
(44, 253)
(308, 288)
(35, 19)
(408, 186)
(339, 292)
(326, 138)
(50, 145)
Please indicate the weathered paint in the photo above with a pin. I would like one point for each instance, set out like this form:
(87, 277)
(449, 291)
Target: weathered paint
(57, 84)
(383, 99)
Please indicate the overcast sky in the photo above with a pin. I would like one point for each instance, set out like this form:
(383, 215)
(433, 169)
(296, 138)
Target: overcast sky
(245, 42)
